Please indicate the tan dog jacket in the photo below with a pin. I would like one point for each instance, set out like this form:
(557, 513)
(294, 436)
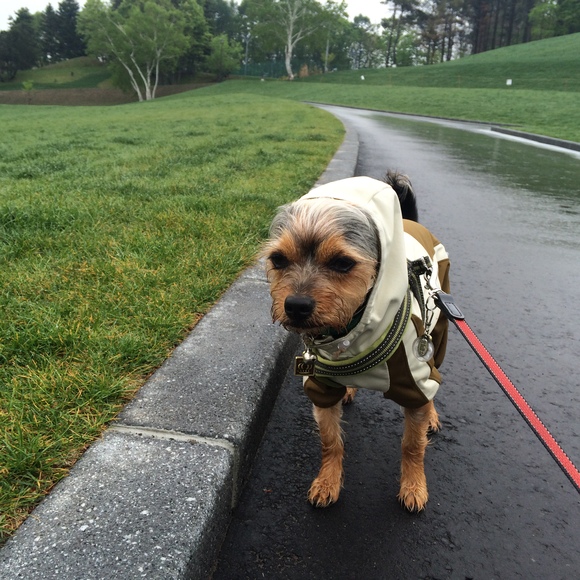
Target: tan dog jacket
(402, 377)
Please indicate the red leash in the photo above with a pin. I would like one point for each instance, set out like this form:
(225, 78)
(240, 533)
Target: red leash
(448, 307)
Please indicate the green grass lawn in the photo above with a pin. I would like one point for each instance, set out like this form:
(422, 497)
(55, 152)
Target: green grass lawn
(544, 96)
(119, 228)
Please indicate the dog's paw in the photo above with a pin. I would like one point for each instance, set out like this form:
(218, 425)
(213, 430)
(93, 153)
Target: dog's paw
(323, 492)
(413, 496)
(349, 396)
(434, 424)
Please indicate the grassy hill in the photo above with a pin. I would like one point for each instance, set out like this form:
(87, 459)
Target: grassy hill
(552, 64)
(552, 113)
(543, 97)
(77, 73)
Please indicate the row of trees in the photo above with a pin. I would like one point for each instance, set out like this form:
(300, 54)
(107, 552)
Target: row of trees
(143, 41)
(147, 42)
(37, 39)
(498, 23)
(438, 30)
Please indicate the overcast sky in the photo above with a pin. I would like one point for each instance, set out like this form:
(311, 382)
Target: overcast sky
(371, 8)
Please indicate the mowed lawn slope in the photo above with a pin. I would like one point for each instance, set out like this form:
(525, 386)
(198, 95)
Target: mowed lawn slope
(551, 64)
(544, 96)
(81, 72)
(119, 227)
(552, 113)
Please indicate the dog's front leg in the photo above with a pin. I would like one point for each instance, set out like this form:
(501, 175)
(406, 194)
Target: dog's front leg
(413, 492)
(325, 489)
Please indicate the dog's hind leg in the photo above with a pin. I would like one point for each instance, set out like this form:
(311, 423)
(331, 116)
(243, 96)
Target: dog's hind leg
(325, 489)
(413, 491)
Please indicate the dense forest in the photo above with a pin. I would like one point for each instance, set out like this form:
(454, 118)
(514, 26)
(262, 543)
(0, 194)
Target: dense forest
(271, 37)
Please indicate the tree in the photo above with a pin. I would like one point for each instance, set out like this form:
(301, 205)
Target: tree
(225, 56)
(365, 50)
(497, 23)
(221, 17)
(140, 37)
(296, 18)
(568, 17)
(70, 44)
(394, 26)
(49, 35)
(408, 49)
(286, 22)
(8, 65)
(329, 46)
(334, 27)
(543, 19)
(430, 24)
(19, 47)
(24, 36)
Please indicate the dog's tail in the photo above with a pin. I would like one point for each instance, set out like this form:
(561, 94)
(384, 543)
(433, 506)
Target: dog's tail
(404, 190)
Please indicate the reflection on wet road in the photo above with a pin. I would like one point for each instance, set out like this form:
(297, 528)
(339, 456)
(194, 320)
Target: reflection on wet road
(508, 212)
(540, 183)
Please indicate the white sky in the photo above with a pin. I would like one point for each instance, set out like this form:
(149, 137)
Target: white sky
(371, 8)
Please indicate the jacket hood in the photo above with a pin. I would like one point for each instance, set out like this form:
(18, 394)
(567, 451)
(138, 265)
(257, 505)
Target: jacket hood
(381, 203)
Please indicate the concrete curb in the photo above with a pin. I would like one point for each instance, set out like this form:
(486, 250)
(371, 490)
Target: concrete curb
(539, 138)
(153, 497)
(496, 127)
(410, 115)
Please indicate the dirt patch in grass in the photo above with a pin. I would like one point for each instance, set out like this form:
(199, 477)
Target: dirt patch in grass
(84, 97)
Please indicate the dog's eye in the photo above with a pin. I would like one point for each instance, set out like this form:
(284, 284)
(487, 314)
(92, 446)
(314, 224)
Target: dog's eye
(279, 261)
(341, 264)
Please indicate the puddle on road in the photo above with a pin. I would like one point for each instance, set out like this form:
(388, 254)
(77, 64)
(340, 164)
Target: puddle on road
(536, 169)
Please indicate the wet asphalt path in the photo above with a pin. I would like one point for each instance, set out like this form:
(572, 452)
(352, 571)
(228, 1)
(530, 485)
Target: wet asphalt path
(500, 507)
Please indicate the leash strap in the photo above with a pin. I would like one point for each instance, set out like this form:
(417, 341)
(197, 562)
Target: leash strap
(452, 312)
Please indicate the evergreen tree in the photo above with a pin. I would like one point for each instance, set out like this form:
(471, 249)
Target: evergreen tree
(49, 35)
(70, 43)
(19, 46)
(8, 67)
(567, 17)
(221, 17)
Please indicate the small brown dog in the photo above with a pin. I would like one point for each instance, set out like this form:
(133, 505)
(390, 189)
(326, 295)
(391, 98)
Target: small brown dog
(356, 281)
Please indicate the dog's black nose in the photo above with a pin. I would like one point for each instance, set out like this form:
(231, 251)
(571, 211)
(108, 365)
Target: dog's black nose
(299, 307)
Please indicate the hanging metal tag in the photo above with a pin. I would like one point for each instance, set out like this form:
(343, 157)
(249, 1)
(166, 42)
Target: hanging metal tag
(423, 348)
(304, 364)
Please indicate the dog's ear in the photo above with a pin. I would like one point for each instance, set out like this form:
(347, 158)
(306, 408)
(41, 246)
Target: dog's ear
(281, 220)
(404, 190)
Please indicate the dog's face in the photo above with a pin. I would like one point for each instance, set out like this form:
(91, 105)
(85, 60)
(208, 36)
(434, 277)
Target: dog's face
(322, 259)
